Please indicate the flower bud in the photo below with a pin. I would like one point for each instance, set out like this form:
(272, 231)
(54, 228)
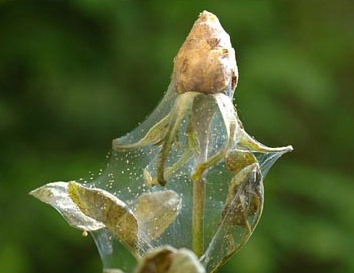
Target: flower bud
(206, 61)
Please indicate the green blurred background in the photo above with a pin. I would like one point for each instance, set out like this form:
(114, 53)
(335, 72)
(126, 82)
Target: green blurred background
(74, 75)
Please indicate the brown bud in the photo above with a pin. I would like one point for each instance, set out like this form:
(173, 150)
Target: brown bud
(206, 61)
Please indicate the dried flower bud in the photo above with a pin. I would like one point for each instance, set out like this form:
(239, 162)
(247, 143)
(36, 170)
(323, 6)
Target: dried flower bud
(206, 61)
(169, 260)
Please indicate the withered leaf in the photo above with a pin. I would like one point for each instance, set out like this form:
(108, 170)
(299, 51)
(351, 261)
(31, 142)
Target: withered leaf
(153, 137)
(243, 208)
(108, 209)
(245, 197)
(56, 195)
(156, 211)
(181, 108)
(229, 116)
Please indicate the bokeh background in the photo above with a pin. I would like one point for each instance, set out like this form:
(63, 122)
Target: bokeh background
(76, 74)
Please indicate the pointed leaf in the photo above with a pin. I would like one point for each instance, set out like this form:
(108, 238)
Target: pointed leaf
(241, 213)
(180, 110)
(108, 209)
(56, 195)
(153, 137)
(248, 142)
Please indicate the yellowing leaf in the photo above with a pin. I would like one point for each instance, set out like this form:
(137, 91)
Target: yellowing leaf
(156, 211)
(108, 209)
(56, 195)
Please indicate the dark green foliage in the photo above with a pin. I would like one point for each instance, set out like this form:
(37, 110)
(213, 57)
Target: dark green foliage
(74, 75)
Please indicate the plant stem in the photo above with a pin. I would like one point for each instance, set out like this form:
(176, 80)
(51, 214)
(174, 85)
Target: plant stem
(198, 216)
(203, 111)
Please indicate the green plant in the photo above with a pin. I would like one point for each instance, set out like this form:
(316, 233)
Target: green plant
(184, 190)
